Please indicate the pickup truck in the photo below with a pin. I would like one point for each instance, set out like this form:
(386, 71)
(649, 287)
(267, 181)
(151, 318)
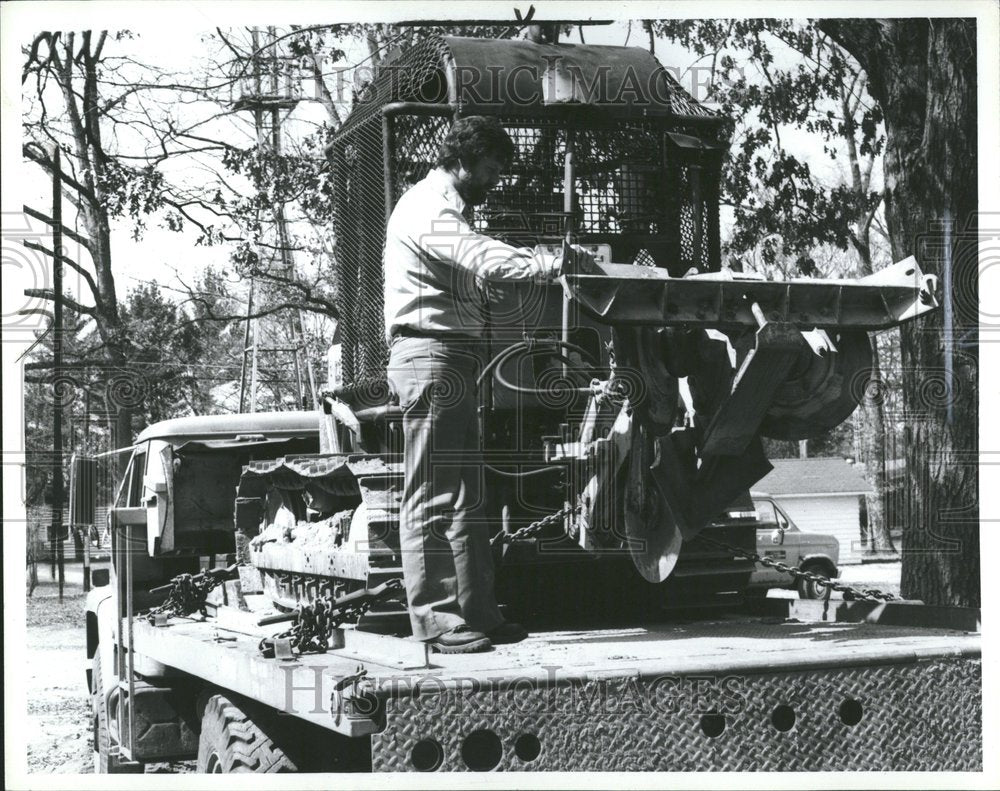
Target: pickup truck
(778, 537)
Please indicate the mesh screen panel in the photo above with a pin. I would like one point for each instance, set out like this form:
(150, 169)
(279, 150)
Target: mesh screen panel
(359, 225)
(417, 75)
(417, 140)
(617, 189)
(694, 179)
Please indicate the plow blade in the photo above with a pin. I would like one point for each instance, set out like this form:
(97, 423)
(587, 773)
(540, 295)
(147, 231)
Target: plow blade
(624, 294)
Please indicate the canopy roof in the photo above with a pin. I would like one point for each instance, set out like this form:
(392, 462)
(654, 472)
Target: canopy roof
(504, 76)
(517, 77)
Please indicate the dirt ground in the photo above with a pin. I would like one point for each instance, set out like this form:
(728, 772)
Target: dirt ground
(58, 722)
(59, 731)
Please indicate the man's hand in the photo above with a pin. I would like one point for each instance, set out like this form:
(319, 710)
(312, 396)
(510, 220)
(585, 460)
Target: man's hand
(551, 263)
(580, 260)
(548, 265)
(553, 268)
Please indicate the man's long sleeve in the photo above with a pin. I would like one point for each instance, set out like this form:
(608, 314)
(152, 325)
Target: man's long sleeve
(434, 262)
(452, 241)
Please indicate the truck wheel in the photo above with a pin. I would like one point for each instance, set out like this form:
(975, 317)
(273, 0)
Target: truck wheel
(813, 590)
(232, 742)
(104, 761)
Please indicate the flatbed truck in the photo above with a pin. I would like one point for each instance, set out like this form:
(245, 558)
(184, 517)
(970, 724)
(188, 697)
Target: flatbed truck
(626, 402)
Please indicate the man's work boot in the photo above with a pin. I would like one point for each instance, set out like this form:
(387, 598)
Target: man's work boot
(507, 632)
(460, 640)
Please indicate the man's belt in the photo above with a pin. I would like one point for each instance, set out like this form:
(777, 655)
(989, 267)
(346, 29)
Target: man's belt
(441, 335)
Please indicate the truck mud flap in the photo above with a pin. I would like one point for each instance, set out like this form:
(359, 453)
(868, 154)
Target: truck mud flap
(166, 723)
(912, 716)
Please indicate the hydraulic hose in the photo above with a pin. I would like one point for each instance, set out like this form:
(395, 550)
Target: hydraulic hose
(525, 473)
(498, 373)
(531, 346)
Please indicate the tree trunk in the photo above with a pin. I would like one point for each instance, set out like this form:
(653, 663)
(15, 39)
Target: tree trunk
(873, 454)
(922, 72)
(123, 387)
(872, 422)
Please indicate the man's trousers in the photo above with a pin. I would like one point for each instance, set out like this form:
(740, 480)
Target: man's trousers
(443, 535)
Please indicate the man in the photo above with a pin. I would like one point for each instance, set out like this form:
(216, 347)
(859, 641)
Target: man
(434, 264)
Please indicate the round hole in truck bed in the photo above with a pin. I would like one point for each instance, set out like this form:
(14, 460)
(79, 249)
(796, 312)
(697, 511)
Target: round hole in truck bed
(850, 712)
(783, 718)
(482, 751)
(426, 755)
(527, 747)
(713, 724)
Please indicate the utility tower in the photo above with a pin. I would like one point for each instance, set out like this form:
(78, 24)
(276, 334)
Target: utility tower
(268, 90)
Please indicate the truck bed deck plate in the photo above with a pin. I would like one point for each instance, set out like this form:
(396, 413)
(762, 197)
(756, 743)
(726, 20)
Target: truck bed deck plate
(643, 698)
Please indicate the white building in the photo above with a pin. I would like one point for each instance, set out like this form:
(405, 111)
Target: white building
(821, 496)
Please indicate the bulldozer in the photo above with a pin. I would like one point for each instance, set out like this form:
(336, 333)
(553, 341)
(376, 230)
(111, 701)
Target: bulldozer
(622, 407)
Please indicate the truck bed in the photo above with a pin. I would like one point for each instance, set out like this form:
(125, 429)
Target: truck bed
(735, 692)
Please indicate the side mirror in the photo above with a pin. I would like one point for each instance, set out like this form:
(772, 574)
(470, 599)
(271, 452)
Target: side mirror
(100, 577)
(777, 536)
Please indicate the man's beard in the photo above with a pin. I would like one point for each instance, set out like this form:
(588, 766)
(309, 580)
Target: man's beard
(473, 194)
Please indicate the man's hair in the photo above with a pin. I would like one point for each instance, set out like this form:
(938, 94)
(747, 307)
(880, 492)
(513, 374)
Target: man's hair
(473, 137)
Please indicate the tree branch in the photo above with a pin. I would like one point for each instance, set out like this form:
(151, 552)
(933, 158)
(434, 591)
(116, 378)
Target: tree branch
(28, 151)
(49, 294)
(73, 264)
(68, 232)
(48, 365)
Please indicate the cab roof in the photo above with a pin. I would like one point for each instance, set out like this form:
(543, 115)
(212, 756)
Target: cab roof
(266, 425)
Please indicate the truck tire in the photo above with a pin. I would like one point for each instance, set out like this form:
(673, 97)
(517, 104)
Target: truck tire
(104, 761)
(812, 590)
(231, 741)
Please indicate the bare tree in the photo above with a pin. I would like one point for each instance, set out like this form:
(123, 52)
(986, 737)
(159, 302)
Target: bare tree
(72, 110)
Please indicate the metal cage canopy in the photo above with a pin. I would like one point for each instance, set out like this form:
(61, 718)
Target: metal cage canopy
(647, 156)
(507, 77)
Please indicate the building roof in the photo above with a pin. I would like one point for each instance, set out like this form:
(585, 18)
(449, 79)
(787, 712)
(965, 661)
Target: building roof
(813, 476)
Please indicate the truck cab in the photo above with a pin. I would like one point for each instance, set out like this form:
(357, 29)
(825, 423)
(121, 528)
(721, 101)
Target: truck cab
(171, 512)
(779, 538)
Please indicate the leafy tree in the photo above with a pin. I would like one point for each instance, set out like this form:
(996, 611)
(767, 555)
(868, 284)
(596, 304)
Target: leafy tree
(778, 79)
(772, 77)
(922, 74)
(180, 359)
